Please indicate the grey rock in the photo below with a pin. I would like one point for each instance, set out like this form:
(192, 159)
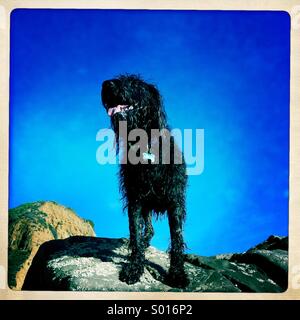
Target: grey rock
(92, 264)
(274, 263)
(246, 277)
(273, 243)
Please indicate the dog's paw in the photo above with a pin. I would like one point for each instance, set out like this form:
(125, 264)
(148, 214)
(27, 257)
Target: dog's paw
(177, 279)
(131, 273)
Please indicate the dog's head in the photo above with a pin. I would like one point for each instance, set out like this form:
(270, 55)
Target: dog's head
(129, 98)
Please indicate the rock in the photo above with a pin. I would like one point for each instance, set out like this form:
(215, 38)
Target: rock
(93, 264)
(272, 243)
(271, 256)
(274, 264)
(84, 263)
(32, 224)
(246, 277)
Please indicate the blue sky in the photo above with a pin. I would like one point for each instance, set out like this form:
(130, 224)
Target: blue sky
(224, 72)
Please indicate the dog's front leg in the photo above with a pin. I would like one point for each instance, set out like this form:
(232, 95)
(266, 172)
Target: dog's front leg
(148, 228)
(177, 276)
(132, 271)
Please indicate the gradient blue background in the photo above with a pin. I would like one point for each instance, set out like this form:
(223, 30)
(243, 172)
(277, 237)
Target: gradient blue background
(226, 72)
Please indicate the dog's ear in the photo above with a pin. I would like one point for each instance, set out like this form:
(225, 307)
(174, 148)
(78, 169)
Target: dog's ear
(157, 100)
(157, 105)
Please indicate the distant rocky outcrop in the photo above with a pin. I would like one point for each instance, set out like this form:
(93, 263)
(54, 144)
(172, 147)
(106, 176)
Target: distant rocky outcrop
(32, 224)
(93, 264)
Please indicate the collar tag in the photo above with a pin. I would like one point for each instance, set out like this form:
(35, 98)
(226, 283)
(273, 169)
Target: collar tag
(149, 156)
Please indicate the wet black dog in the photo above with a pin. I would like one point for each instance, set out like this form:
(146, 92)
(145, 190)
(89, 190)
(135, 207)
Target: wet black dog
(153, 185)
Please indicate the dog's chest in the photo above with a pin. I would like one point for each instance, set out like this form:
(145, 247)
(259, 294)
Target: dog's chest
(146, 179)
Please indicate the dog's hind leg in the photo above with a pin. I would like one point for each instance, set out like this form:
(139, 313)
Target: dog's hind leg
(148, 228)
(177, 276)
(132, 271)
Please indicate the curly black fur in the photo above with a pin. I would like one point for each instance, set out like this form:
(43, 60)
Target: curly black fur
(148, 188)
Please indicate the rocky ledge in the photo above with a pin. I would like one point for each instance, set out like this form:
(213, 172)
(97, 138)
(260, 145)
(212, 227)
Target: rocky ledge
(81, 263)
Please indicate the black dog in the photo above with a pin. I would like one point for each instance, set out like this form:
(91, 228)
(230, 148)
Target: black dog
(152, 186)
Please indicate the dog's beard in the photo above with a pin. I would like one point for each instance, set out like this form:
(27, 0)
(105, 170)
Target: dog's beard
(115, 121)
(132, 118)
(122, 123)
(118, 121)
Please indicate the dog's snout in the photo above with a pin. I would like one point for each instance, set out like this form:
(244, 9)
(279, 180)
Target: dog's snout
(106, 85)
(109, 84)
